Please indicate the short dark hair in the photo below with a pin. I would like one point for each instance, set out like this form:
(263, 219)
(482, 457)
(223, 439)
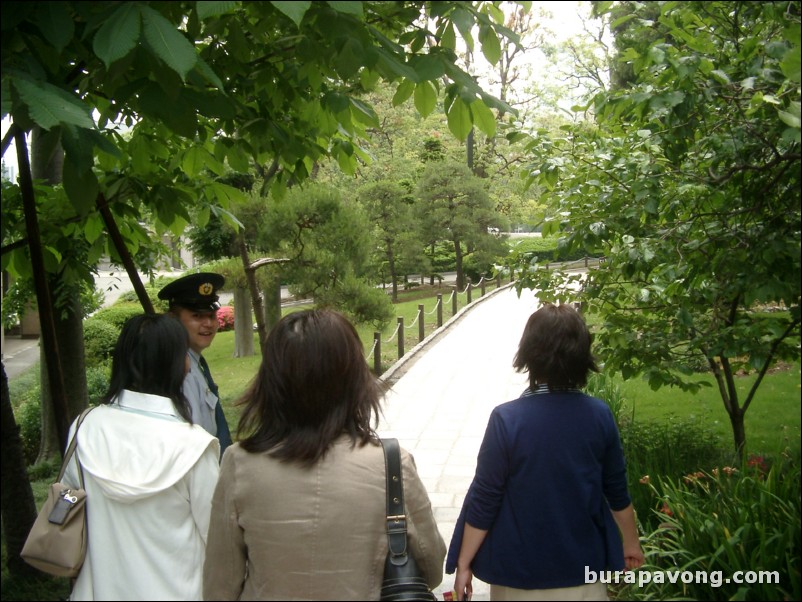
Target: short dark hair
(150, 357)
(312, 386)
(555, 348)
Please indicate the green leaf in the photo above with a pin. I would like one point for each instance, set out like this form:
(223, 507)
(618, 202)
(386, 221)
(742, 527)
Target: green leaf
(425, 98)
(364, 113)
(459, 119)
(213, 9)
(194, 161)
(463, 19)
(348, 8)
(792, 116)
(720, 76)
(294, 10)
(81, 187)
(790, 64)
(93, 227)
(491, 47)
(403, 92)
(167, 43)
(483, 118)
(449, 38)
(119, 34)
(429, 67)
(55, 23)
(48, 105)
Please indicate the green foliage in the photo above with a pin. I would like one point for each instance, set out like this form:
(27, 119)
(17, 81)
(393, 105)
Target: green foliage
(100, 337)
(453, 205)
(688, 184)
(97, 381)
(29, 419)
(362, 303)
(325, 237)
(152, 289)
(21, 298)
(118, 314)
(722, 522)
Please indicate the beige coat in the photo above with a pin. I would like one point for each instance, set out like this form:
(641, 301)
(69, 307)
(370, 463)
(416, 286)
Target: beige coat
(282, 532)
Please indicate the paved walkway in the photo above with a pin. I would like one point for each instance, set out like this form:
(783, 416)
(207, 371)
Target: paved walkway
(438, 409)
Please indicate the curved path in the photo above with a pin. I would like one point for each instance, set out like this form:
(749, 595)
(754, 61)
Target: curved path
(438, 408)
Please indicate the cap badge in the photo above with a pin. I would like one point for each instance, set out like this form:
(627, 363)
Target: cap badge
(206, 289)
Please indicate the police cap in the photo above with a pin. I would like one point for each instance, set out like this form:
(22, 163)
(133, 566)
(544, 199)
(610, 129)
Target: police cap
(195, 291)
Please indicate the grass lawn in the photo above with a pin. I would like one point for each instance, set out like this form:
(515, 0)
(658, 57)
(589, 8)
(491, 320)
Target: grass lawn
(772, 421)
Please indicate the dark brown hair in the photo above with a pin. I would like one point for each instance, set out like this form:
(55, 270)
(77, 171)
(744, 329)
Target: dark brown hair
(313, 385)
(555, 348)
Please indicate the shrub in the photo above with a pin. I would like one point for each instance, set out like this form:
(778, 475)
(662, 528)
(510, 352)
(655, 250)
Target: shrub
(97, 381)
(100, 337)
(225, 318)
(29, 420)
(724, 521)
(152, 291)
(118, 313)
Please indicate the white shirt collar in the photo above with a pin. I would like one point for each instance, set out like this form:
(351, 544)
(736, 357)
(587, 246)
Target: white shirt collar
(145, 402)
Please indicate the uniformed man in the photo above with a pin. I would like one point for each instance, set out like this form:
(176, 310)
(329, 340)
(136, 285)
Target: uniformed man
(194, 302)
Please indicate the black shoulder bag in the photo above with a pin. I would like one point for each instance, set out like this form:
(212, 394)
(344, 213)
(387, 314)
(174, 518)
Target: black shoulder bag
(402, 577)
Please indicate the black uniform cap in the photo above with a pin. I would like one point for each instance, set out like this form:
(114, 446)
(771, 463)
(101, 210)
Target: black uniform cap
(196, 291)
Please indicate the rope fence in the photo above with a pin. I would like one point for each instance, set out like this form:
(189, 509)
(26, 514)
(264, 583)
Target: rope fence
(420, 316)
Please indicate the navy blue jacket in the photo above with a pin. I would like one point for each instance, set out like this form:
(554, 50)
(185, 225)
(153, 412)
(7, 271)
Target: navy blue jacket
(549, 470)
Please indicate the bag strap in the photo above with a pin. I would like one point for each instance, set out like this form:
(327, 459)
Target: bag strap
(71, 449)
(396, 518)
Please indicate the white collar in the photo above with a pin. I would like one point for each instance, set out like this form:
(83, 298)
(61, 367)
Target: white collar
(145, 402)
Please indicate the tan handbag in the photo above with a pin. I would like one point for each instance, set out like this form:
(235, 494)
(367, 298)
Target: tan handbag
(57, 541)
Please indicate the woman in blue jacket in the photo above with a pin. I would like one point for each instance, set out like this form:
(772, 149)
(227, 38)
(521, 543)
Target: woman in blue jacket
(548, 504)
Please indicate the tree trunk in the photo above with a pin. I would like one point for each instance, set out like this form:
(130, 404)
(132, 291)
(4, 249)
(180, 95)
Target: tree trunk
(272, 297)
(250, 277)
(70, 341)
(18, 507)
(243, 323)
(391, 267)
(738, 434)
(49, 343)
(458, 261)
(47, 161)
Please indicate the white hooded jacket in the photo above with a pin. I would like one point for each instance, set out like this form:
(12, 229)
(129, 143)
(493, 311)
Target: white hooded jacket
(149, 478)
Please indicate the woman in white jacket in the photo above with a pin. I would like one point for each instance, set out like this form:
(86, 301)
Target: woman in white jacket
(149, 474)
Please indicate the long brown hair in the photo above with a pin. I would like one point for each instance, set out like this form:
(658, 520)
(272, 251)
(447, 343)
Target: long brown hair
(313, 385)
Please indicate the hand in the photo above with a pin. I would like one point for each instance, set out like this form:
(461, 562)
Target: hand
(633, 559)
(462, 584)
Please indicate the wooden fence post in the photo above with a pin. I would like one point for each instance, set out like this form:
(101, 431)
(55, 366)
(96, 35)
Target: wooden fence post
(400, 337)
(420, 324)
(454, 302)
(439, 310)
(468, 289)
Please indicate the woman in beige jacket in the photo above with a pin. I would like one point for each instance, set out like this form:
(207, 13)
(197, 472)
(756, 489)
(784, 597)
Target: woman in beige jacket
(299, 510)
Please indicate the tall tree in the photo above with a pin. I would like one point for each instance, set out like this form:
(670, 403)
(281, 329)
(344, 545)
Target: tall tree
(689, 184)
(148, 99)
(453, 205)
(389, 207)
